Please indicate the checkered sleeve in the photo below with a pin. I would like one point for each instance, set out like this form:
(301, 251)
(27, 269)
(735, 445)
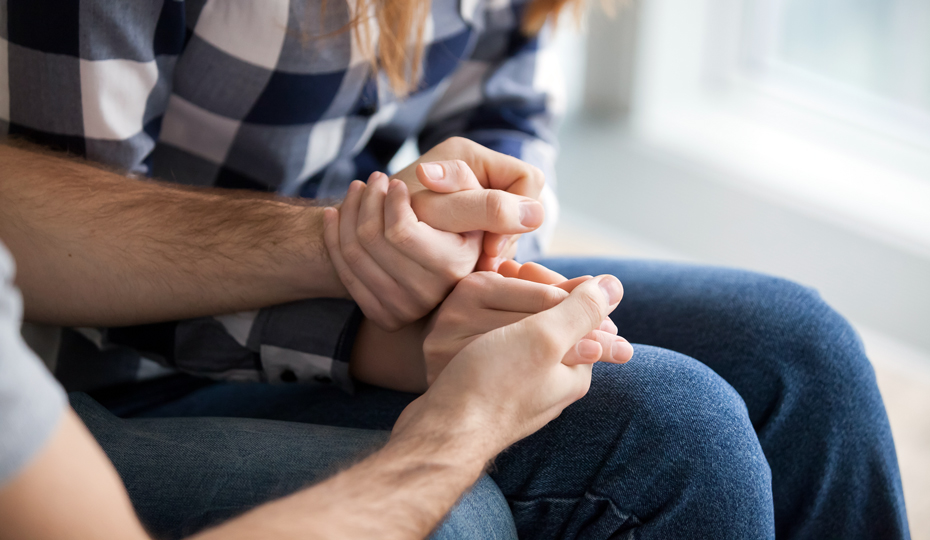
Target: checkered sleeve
(131, 83)
(306, 341)
(507, 96)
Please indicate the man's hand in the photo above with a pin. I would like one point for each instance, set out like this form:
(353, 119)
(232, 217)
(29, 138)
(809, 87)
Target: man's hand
(513, 380)
(396, 267)
(461, 186)
(485, 301)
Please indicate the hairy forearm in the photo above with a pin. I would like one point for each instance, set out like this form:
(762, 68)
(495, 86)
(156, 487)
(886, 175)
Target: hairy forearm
(400, 492)
(95, 248)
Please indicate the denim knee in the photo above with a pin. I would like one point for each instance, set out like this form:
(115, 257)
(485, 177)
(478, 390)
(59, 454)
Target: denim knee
(481, 514)
(697, 429)
(660, 445)
(815, 353)
(798, 319)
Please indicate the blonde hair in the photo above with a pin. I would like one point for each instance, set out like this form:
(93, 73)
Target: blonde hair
(401, 24)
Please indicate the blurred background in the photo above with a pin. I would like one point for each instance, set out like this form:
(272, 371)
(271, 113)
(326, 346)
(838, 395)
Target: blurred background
(790, 137)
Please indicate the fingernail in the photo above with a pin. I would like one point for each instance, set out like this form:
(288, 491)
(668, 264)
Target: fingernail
(621, 351)
(500, 246)
(433, 171)
(588, 349)
(531, 214)
(612, 289)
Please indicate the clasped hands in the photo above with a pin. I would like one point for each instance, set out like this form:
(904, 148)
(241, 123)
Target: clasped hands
(403, 246)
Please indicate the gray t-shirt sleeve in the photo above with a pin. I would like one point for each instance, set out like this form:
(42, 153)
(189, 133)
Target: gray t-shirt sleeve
(31, 400)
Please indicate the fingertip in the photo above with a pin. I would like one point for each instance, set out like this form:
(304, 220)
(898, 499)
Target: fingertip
(532, 214)
(509, 268)
(397, 188)
(538, 273)
(378, 182)
(611, 288)
(621, 351)
(432, 171)
(569, 286)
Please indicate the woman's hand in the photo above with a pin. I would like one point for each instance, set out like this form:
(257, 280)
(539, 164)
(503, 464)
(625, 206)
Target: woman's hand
(486, 301)
(459, 186)
(396, 267)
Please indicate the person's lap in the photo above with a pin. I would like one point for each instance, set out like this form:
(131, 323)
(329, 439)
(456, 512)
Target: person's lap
(664, 445)
(186, 474)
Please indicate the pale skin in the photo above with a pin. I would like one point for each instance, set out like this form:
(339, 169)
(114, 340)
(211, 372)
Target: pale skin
(442, 442)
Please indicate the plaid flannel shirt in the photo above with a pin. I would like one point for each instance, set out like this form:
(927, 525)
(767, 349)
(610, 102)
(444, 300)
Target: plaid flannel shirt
(257, 94)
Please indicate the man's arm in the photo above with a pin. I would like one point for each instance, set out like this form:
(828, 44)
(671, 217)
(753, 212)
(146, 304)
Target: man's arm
(70, 490)
(95, 248)
(477, 407)
(401, 492)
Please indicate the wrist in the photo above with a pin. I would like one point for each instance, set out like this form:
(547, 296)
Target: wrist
(390, 359)
(462, 432)
(468, 448)
(310, 269)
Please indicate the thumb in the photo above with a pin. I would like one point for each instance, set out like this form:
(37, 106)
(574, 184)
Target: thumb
(447, 176)
(488, 210)
(560, 328)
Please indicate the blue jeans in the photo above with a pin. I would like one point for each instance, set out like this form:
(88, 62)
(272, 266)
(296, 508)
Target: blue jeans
(749, 410)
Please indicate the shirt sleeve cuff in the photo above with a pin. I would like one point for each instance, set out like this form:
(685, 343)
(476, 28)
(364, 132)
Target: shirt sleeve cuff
(307, 341)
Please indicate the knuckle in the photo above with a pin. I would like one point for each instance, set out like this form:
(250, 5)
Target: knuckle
(456, 144)
(494, 205)
(353, 254)
(368, 233)
(399, 234)
(480, 282)
(347, 278)
(551, 298)
(472, 282)
(591, 307)
(461, 169)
